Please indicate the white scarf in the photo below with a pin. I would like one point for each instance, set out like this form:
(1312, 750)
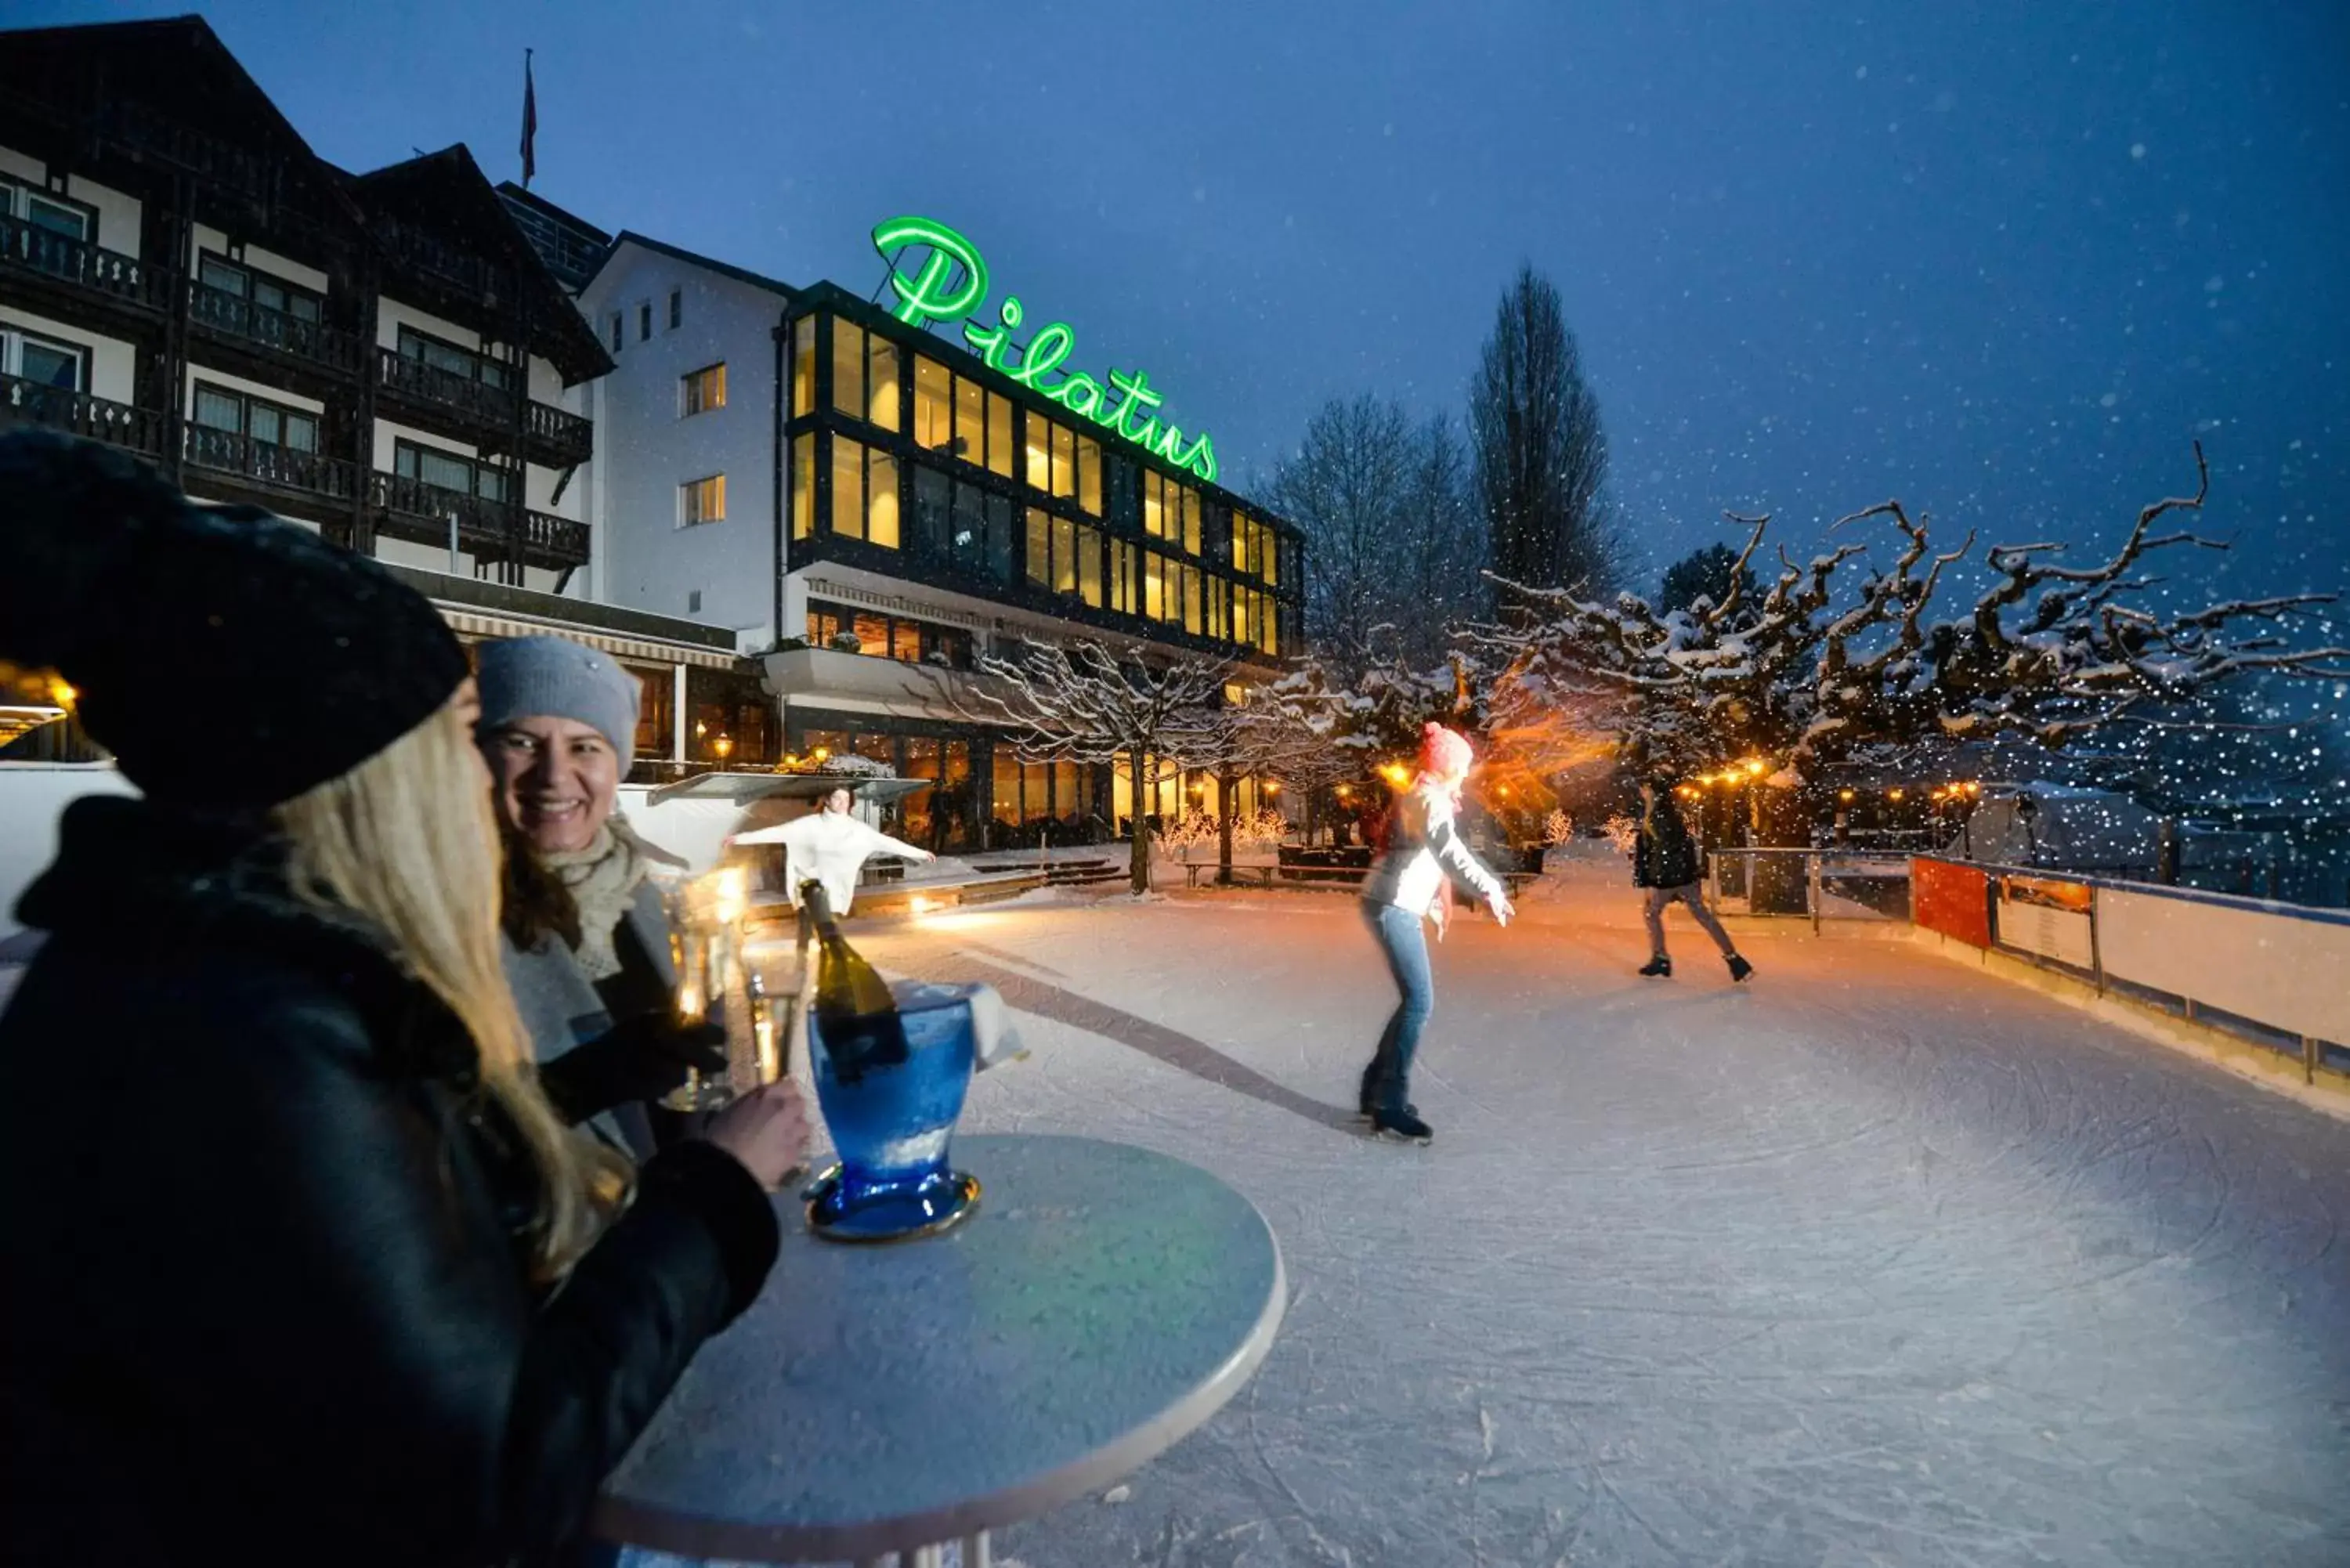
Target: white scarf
(603, 879)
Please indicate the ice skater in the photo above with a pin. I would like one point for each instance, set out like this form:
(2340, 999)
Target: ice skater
(830, 846)
(1665, 862)
(1422, 846)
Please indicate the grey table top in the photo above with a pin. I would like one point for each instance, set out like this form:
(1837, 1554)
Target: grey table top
(1101, 1302)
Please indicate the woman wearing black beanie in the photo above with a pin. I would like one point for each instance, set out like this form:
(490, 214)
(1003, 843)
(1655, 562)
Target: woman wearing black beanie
(302, 1265)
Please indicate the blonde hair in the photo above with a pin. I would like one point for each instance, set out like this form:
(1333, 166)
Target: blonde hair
(409, 839)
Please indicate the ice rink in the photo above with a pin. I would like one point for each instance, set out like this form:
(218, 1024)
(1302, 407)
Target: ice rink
(1879, 1259)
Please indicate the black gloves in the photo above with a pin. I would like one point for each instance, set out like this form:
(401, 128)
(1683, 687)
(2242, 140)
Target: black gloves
(639, 1058)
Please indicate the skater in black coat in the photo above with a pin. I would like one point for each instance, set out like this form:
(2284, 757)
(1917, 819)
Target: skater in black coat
(304, 1266)
(1665, 861)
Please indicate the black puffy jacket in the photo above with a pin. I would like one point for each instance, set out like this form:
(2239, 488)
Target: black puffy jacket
(269, 1300)
(1666, 856)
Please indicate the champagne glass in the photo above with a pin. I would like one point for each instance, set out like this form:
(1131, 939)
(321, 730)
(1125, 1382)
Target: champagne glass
(712, 979)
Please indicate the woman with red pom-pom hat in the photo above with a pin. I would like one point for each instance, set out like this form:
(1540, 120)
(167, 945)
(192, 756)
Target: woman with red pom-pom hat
(1422, 846)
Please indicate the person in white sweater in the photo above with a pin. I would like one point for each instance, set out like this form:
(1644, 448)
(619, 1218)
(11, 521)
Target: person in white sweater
(830, 847)
(1422, 849)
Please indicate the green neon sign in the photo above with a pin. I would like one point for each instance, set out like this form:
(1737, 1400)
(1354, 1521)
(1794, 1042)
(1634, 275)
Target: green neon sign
(951, 283)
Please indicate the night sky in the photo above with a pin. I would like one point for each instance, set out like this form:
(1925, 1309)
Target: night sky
(2004, 268)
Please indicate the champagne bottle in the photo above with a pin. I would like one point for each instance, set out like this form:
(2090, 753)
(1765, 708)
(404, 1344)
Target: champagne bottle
(854, 1010)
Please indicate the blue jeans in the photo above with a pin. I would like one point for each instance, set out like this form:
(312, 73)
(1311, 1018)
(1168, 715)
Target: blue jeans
(1388, 1078)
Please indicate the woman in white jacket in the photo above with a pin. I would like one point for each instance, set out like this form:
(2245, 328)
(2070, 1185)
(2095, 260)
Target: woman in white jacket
(830, 846)
(1422, 848)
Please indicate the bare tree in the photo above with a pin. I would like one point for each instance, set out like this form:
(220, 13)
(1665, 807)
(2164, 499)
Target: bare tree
(2047, 652)
(1083, 703)
(1346, 486)
(1540, 453)
(1442, 547)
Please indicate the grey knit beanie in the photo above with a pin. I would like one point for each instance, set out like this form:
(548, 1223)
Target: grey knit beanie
(540, 677)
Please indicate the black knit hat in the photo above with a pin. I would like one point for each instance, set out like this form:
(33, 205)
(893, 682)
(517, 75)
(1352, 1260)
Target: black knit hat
(230, 659)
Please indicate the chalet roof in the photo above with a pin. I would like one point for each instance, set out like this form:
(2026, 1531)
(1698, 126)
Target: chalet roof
(176, 67)
(446, 194)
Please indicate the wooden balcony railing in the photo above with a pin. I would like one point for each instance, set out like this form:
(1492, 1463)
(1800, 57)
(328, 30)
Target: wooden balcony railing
(480, 522)
(86, 266)
(142, 430)
(219, 311)
(555, 437)
(480, 401)
(267, 463)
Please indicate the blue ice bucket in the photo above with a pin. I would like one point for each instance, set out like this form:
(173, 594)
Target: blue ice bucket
(892, 1112)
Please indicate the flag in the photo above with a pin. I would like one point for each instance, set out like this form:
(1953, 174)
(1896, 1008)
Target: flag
(529, 122)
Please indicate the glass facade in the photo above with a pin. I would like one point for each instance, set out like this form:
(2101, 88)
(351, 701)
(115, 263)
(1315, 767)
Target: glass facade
(903, 449)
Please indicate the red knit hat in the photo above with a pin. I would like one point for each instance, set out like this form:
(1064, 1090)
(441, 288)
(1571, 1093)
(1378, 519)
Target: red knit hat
(1444, 752)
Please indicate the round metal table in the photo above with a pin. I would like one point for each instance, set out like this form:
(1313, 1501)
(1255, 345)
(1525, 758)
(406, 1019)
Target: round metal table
(1102, 1302)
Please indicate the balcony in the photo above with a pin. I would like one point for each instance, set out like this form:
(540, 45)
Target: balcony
(266, 470)
(241, 323)
(479, 410)
(142, 430)
(77, 271)
(425, 513)
(867, 683)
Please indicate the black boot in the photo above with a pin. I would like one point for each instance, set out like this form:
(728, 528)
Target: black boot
(1739, 968)
(1366, 1098)
(1401, 1125)
(1658, 968)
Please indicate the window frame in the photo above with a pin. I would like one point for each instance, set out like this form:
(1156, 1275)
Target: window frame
(693, 497)
(676, 308)
(247, 401)
(693, 388)
(13, 339)
(30, 192)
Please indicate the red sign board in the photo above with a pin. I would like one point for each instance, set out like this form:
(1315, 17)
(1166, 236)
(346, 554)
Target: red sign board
(1952, 899)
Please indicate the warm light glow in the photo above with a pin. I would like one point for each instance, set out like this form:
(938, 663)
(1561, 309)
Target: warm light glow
(822, 753)
(700, 728)
(1974, 789)
(1845, 795)
(1505, 791)
(1895, 793)
(922, 906)
(63, 693)
(1345, 791)
(1755, 768)
(1396, 775)
(1273, 786)
(730, 893)
(724, 747)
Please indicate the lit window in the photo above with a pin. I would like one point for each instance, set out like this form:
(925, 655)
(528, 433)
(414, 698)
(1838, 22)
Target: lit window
(998, 434)
(803, 365)
(803, 486)
(1194, 612)
(1040, 545)
(971, 422)
(1190, 520)
(881, 382)
(1089, 566)
(1065, 556)
(1154, 586)
(1040, 461)
(848, 368)
(848, 488)
(704, 389)
(703, 501)
(1089, 485)
(881, 503)
(934, 405)
(1064, 461)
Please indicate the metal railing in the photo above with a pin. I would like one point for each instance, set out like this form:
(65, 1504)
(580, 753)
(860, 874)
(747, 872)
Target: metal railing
(79, 263)
(219, 311)
(142, 430)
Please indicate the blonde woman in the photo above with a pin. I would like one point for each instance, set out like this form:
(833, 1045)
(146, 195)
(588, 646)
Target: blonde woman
(303, 1265)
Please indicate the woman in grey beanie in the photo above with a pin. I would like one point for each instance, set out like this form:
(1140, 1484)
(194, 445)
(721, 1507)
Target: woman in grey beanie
(587, 934)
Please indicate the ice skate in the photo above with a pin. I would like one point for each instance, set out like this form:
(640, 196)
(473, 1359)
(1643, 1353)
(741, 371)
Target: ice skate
(1367, 1101)
(1658, 968)
(1739, 968)
(1401, 1125)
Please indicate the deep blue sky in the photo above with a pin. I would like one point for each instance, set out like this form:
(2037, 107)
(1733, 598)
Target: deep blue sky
(2003, 267)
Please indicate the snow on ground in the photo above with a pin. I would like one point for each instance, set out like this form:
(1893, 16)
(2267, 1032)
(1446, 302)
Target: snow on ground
(1875, 1261)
